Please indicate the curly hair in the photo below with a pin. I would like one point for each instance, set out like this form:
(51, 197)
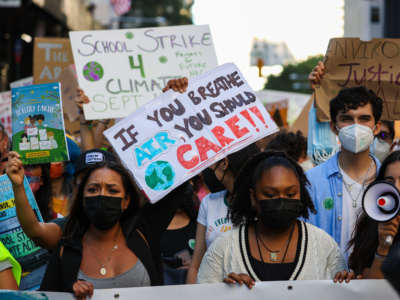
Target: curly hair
(352, 98)
(293, 144)
(241, 210)
(365, 238)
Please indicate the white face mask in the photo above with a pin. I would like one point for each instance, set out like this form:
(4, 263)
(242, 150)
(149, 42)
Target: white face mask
(356, 138)
(380, 149)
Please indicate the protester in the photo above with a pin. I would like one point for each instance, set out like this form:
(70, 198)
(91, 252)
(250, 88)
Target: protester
(10, 270)
(177, 242)
(383, 141)
(369, 241)
(338, 184)
(268, 241)
(108, 242)
(212, 220)
(5, 146)
(62, 185)
(48, 234)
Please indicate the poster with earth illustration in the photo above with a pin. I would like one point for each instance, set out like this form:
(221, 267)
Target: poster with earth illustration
(38, 124)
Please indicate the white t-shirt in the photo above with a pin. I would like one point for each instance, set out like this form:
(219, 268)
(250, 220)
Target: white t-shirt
(213, 215)
(350, 213)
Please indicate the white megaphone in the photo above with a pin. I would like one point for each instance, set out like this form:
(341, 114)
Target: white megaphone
(381, 201)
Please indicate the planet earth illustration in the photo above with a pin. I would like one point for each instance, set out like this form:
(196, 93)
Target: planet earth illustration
(159, 175)
(93, 71)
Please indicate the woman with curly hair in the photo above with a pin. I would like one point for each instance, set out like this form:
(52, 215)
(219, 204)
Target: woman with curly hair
(368, 242)
(269, 241)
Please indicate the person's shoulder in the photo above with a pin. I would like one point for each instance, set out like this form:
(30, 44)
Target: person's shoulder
(322, 237)
(226, 239)
(320, 171)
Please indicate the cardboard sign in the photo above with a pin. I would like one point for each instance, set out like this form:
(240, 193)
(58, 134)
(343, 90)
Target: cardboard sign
(38, 124)
(374, 64)
(5, 111)
(12, 236)
(296, 290)
(301, 122)
(175, 136)
(69, 86)
(120, 70)
(50, 57)
(279, 111)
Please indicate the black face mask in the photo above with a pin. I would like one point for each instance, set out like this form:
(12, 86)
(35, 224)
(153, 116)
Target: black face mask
(280, 213)
(212, 182)
(103, 211)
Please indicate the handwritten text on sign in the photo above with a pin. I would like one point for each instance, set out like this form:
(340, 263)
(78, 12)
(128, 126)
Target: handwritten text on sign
(120, 70)
(176, 136)
(374, 64)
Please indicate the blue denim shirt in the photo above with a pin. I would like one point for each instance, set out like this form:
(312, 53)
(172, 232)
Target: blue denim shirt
(326, 191)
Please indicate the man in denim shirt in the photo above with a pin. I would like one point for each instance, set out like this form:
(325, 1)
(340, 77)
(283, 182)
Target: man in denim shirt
(337, 185)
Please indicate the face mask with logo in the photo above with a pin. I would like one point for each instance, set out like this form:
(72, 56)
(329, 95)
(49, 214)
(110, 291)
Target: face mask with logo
(280, 213)
(212, 182)
(380, 149)
(356, 138)
(103, 211)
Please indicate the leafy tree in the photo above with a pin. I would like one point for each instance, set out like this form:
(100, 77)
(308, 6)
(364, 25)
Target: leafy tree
(294, 77)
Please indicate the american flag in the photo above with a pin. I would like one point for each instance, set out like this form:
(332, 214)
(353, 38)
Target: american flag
(121, 6)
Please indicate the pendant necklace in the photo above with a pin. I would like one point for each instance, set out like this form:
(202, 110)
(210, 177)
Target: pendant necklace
(349, 186)
(273, 254)
(103, 270)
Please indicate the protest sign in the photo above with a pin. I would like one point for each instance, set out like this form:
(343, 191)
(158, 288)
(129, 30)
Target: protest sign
(5, 111)
(22, 248)
(120, 70)
(50, 57)
(298, 290)
(175, 136)
(38, 132)
(22, 82)
(351, 62)
(69, 86)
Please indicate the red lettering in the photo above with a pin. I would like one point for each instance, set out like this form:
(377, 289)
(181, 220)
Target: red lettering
(223, 140)
(187, 164)
(237, 131)
(204, 145)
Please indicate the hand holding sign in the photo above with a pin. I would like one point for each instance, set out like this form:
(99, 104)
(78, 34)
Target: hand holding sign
(176, 136)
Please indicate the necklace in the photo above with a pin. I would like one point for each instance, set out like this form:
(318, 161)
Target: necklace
(103, 270)
(349, 186)
(273, 255)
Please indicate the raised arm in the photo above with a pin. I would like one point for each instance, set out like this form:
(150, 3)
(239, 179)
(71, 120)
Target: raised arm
(316, 75)
(46, 235)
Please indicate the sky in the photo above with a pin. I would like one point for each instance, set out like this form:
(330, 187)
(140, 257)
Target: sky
(305, 25)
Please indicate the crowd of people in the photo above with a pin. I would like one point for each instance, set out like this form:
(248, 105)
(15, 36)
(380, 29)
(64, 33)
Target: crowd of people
(264, 213)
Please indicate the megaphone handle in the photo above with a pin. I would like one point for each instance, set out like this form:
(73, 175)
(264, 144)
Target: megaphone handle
(389, 240)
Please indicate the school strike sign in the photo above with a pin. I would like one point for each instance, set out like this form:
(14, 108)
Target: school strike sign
(176, 136)
(374, 64)
(120, 70)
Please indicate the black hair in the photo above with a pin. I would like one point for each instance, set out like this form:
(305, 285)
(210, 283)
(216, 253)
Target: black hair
(187, 200)
(39, 117)
(354, 97)
(241, 210)
(365, 236)
(293, 144)
(78, 222)
(44, 194)
(237, 160)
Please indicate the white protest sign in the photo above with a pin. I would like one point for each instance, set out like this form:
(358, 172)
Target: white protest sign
(175, 136)
(120, 70)
(273, 290)
(5, 111)
(22, 82)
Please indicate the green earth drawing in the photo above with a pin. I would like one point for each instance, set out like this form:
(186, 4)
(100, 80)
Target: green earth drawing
(159, 175)
(93, 71)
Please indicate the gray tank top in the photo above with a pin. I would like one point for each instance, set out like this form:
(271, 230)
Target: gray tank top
(137, 276)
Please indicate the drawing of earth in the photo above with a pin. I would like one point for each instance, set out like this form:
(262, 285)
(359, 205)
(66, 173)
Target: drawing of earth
(159, 175)
(93, 71)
